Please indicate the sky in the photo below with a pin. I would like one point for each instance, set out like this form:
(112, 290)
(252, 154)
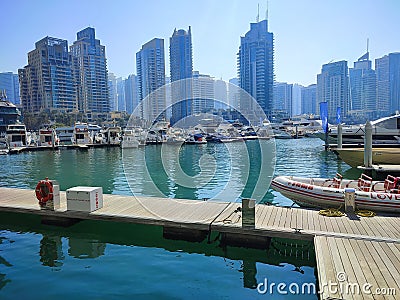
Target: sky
(307, 33)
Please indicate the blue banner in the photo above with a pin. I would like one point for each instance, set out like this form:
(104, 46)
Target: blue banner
(338, 113)
(323, 108)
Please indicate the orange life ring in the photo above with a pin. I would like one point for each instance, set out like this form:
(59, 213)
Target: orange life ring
(44, 191)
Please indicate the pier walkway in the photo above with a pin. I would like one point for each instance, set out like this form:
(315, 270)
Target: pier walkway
(365, 250)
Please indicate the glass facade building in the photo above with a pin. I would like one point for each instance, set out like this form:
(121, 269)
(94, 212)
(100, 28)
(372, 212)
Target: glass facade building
(333, 88)
(90, 66)
(363, 87)
(256, 65)
(309, 99)
(181, 70)
(150, 65)
(47, 82)
(10, 84)
(388, 83)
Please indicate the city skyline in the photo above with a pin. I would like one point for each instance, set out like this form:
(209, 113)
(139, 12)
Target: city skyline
(302, 41)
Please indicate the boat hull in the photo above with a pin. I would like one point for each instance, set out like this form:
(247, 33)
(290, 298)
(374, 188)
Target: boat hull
(355, 156)
(305, 192)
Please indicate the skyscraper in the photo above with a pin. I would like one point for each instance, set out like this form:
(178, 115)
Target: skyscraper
(121, 94)
(203, 92)
(112, 91)
(131, 93)
(309, 99)
(47, 82)
(90, 64)
(333, 87)
(233, 93)
(282, 101)
(150, 65)
(363, 86)
(220, 94)
(388, 83)
(256, 65)
(181, 69)
(296, 99)
(9, 83)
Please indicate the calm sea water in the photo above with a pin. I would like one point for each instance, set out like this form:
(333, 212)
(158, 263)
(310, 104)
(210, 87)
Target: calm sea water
(106, 260)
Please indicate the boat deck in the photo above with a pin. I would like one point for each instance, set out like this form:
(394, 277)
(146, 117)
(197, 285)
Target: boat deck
(358, 246)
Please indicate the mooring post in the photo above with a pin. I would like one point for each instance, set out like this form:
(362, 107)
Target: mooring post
(339, 136)
(349, 200)
(368, 145)
(326, 141)
(248, 213)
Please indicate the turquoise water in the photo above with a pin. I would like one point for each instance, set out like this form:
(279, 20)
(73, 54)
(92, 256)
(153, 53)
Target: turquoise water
(106, 260)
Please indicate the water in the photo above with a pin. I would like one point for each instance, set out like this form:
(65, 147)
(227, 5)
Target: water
(107, 260)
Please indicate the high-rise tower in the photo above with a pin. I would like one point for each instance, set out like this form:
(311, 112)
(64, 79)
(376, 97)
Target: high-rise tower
(150, 65)
(181, 70)
(47, 82)
(90, 64)
(363, 86)
(256, 65)
(333, 88)
(388, 83)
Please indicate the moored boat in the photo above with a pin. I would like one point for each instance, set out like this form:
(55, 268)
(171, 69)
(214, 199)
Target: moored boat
(384, 131)
(16, 135)
(129, 139)
(355, 156)
(48, 137)
(324, 193)
(81, 135)
(196, 138)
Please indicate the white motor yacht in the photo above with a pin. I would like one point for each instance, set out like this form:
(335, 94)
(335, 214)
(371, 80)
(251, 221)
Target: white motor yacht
(129, 139)
(16, 135)
(384, 131)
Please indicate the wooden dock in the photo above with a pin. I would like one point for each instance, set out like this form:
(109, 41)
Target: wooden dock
(366, 249)
(17, 150)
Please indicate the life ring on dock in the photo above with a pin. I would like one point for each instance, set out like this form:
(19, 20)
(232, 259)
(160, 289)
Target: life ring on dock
(44, 191)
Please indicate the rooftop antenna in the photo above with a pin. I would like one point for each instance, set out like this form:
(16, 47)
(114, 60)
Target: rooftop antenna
(266, 13)
(258, 13)
(367, 44)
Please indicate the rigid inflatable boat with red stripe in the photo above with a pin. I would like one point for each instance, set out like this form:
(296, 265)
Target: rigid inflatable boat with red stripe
(326, 193)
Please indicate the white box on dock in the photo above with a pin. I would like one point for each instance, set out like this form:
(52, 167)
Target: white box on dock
(84, 198)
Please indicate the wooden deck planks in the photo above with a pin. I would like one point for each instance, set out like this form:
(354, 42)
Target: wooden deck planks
(361, 263)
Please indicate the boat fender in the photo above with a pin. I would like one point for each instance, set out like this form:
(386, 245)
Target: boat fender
(44, 191)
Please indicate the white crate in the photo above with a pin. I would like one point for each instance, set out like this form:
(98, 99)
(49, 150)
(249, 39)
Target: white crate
(84, 198)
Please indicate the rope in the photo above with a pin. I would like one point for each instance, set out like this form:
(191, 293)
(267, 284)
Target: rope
(365, 213)
(331, 212)
(227, 220)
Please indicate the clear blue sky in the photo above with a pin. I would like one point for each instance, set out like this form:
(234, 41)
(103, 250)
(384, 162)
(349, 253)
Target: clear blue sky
(308, 33)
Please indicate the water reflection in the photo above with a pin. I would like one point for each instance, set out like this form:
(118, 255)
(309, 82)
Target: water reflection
(4, 262)
(88, 240)
(85, 248)
(51, 254)
(249, 269)
(222, 172)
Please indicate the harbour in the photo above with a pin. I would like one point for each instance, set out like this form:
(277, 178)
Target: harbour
(283, 220)
(237, 155)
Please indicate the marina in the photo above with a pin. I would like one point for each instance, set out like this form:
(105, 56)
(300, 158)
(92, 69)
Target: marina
(342, 245)
(177, 217)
